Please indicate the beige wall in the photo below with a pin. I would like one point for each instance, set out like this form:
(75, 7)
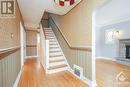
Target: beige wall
(76, 27)
(8, 26)
(31, 42)
(77, 24)
(45, 20)
(10, 64)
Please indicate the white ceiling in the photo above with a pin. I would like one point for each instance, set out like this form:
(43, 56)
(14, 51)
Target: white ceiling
(112, 12)
(32, 10)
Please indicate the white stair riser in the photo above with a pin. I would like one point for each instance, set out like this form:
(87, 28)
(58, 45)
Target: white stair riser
(56, 53)
(52, 42)
(59, 57)
(54, 49)
(54, 46)
(49, 34)
(50, 37)
(47, 29)
(54, 59)
(57, 70)
(57, 63)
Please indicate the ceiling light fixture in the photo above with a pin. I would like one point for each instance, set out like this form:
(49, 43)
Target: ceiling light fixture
(65, 2)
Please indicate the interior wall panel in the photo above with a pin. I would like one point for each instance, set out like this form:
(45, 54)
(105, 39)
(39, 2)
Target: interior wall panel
(31, 43)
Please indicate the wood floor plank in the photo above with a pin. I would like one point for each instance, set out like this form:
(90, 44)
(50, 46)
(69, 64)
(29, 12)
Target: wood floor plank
(107, 72)
(34, 76)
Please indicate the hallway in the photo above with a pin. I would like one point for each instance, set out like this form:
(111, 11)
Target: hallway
(34, 76)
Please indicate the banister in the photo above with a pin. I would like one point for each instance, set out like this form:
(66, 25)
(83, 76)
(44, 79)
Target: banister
(89, 48)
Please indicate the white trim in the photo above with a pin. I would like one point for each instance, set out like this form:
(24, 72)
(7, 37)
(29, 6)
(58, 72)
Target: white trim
(22, 40)
(84, 79)
(38, 44)
(93, 82)
(42, 57)
(106, 58)
(57, 63)
(89, 82)
(57, 70)
(18, 78)
(30, 57)
(44, 66)
(47, 53)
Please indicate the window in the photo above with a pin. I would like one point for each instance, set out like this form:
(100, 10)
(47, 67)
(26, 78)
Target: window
(109, 38)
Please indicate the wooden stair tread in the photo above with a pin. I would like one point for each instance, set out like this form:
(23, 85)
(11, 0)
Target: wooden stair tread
(53, 61)
(56, 67)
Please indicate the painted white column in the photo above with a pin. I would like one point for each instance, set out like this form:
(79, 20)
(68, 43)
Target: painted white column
(47, 54)
(22, 43)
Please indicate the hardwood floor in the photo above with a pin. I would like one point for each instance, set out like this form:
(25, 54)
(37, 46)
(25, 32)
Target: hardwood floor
(34, 76)
(107, 72)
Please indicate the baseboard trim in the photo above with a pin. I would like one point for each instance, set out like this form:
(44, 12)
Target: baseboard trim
(57, 70)
(84, 79)
(18, 78)
(106, 58)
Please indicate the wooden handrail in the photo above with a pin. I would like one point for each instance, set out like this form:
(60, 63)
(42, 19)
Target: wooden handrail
(8, 51)
(72, 47)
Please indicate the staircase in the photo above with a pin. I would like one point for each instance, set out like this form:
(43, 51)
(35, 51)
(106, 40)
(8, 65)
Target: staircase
(57, 61)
